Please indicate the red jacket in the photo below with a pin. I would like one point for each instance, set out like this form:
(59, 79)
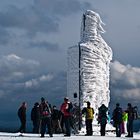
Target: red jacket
(64, 109)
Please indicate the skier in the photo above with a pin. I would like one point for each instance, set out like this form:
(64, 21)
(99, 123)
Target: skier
(45, 112)
(35, 117)
(22, 117)
(66, 108)
(89, 115)
(102, 118)
(117, 119)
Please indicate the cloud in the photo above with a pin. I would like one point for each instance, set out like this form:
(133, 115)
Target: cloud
(28, 19)
(4, 35)
(61, 7)
(13, 68)
(46, 45)
(24, 79)
(125, 82)
(42, 16)
(38, 81)
(125, 76)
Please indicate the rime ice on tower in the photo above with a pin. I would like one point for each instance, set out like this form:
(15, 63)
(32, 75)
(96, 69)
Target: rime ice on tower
(88, 64)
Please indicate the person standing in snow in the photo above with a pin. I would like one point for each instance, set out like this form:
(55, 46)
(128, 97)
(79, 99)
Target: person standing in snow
(22, 117)
(66, 108)
(130, 112)
(102, 118)
(117, 119)
(89, 115)
(124, 122)
(45, 114)
(35, 117)
(56, 120)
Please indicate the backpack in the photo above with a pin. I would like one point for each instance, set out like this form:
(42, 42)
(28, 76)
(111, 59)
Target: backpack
(103, 112)
(117, 116)
(70, 107)
(89, 113)
(102, 116)
(135, 113)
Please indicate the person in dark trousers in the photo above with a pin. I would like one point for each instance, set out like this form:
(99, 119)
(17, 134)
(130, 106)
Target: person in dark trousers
(56, 120)
(22, 117)
(62, 122)
(45, 114)
(66, 110)
(117, 119)
(35, 117)
(89, 115)
(102, 118)
(130, 112)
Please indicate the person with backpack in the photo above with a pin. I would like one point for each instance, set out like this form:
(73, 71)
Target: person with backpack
(45, 114)
(89, 115)
(102, 118)
(135, 112)
(66, 108)
(22, 117)
(130, 111)
(117, 119)
(35, 117)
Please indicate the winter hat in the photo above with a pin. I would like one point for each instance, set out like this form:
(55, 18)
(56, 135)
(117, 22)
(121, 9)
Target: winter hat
(42, 99)
(36, 104)
(66, 98)
(117, 104)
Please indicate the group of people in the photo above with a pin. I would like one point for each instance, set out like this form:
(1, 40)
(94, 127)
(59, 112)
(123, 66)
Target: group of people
(122, 120)
(44, 116)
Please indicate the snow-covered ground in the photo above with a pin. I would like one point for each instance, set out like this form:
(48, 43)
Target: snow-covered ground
(109, 136)
(81, 136)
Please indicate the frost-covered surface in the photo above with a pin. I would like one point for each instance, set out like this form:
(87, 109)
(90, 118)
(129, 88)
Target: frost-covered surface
(95, 57)
(73, 73)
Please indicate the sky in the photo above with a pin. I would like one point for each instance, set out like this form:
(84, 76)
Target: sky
(35, 36)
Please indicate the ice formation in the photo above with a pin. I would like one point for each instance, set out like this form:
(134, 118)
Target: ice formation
(88, 64)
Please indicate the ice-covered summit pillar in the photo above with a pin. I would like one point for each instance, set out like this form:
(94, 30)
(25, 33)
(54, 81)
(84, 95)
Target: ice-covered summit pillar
(91, 26)
(88, 64)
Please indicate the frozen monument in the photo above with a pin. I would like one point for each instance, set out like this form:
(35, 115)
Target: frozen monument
(88, 64)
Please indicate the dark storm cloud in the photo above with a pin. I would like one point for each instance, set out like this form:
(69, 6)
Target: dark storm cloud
(23, 80)
(4, 35)
(46, 45)
(61, 7)
(13, 68)
(43, 16)
(28, 19)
